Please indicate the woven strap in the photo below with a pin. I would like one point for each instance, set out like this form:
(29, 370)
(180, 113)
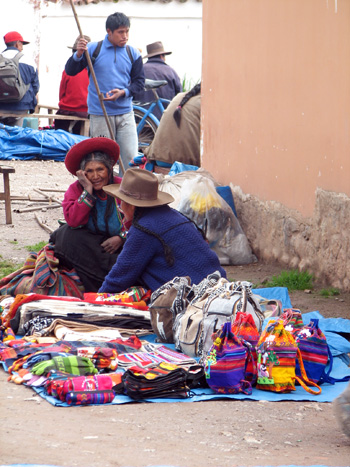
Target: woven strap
(304, 381)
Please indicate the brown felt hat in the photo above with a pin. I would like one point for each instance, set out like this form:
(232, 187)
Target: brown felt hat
(155, 49)
(78, 151)
(139, 188)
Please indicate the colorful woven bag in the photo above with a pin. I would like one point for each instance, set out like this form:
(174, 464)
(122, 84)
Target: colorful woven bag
(315, 354)
(245, 328)
(226, 363)
(277, 354)
(292, 320)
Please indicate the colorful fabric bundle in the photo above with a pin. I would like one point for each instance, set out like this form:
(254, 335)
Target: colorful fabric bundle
(292, 320)
(41, 273)
(101, 357)
(6, 334)
(315, 353)
(132, 295)
(164, 380)
(244, 327)
(72, 365)
(90, 397)
(226, 363)
(277, 354)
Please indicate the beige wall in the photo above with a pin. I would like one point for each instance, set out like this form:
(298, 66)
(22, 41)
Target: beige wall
(276, 97)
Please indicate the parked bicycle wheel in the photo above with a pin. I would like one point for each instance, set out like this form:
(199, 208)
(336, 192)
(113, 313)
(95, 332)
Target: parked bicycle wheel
(148, 130)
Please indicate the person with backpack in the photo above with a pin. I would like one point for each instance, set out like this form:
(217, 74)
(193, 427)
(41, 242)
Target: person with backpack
(19, 80)
(119, 73)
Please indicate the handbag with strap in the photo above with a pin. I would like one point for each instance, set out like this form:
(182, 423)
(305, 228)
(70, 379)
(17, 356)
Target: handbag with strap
(226, 363)
(205, 316)
(277, 355)
(166, 303)
(245, 328)
(315, 353)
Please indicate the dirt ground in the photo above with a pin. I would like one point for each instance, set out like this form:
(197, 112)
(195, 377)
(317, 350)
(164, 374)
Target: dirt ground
(217, 433)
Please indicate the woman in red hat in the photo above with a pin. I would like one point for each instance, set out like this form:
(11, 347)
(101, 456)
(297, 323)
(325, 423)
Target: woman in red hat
(94, 232)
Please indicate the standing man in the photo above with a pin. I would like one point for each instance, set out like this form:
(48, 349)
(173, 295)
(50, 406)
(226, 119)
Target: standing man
(156, 68)
(119, 73)
(73, 97)
(28, 74)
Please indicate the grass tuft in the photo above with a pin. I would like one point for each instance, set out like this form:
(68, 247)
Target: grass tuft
(329, 292)
(293, 280)
(7, 267)
(37, 247)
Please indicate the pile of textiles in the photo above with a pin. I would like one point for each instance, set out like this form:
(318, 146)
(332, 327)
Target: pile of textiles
(28, 314)
(74, 362)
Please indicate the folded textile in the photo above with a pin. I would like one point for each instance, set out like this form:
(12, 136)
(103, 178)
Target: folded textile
(72, 365)
(89, 397)
(164, 380)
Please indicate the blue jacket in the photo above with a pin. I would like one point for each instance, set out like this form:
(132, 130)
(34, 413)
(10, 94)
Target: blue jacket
(142, 259)
(156, 68)
(113, 69)
(29, 75)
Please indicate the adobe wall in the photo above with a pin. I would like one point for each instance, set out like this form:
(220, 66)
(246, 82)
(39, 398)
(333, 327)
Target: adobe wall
(318, 244)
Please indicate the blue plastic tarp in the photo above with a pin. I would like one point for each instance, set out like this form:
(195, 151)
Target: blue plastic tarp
(26, 143)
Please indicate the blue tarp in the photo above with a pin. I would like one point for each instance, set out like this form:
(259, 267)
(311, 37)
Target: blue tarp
(26, 143)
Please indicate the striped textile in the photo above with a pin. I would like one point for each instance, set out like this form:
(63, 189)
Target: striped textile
(314, 351)
(225, 365)
(277, 353)
(42, 274)
(245, 328)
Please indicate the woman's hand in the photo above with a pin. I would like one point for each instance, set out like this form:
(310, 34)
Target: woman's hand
(114, 94)
(84, 181)
(112, 244)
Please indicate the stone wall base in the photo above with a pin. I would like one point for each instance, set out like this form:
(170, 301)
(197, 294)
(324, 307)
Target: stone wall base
(319, 244)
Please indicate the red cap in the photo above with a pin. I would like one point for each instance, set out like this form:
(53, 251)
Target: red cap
(14, 36)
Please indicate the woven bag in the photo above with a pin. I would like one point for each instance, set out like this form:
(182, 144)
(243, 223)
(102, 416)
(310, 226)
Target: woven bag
(277, 354)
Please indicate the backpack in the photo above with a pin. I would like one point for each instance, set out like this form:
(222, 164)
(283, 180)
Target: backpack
(12, 86)
(98, 49)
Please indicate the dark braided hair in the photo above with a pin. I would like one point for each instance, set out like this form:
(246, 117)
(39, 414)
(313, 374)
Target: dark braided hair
(193, 92)
(108, 162)
(169, 257)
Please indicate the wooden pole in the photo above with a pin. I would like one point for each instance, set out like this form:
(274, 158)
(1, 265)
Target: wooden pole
(100, 95)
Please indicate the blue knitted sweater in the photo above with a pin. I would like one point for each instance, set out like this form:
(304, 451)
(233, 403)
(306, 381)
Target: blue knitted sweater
(142, 259)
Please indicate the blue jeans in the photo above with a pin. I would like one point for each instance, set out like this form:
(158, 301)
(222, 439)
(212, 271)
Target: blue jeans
(124, 132)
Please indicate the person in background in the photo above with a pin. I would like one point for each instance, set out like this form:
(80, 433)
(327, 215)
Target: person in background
(161, 242)
(119, 72)
(73, 97)
(94, 232)
(14, 44)
(178, 135)
(157, 69)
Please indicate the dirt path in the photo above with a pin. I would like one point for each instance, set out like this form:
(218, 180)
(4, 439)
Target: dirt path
(218, 433)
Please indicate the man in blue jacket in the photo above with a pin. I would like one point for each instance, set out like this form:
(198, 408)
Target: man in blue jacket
(14, 44)
(119, 72)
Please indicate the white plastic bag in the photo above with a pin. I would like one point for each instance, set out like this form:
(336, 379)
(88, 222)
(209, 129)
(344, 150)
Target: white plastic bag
(201, 203)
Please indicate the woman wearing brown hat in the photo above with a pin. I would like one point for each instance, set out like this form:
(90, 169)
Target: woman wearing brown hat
(161, 242)
(94, 231)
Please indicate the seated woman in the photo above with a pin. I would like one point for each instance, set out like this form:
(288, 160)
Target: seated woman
(161, 242)
(94, 232)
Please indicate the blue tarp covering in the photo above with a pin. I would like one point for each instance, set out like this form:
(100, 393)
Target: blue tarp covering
(26, 143)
